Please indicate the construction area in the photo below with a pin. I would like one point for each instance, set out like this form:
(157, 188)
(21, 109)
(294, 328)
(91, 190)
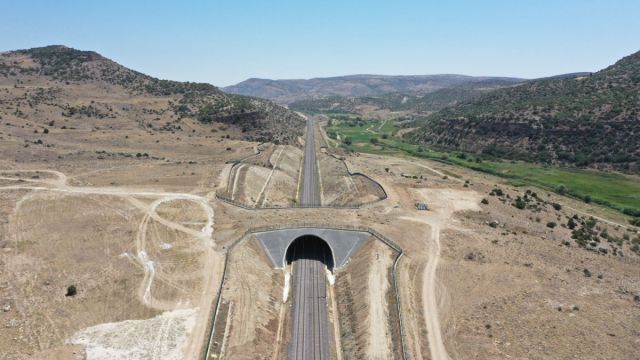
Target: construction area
(196, 252)
(272, 178)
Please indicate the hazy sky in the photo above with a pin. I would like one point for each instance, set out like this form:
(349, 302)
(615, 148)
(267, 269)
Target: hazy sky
(226, 41)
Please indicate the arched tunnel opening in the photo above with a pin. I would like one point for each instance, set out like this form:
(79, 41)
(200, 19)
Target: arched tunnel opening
(310, 247)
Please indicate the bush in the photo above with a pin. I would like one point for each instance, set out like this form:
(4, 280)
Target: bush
(485, 201)
(496, 192)
(632, 212)
(347, 140)
(520, 204)
(556, 206)
(561, 189)
(374, 141)
(551, 224)
(587, 199)
(71, 291)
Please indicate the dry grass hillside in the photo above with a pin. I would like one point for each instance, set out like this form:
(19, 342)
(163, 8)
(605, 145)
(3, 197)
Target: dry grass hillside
(59, 84)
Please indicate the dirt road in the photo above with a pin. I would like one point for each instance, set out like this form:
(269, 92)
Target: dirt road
(443, 203)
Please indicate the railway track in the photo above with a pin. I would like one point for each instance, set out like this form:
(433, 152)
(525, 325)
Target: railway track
(309, 335)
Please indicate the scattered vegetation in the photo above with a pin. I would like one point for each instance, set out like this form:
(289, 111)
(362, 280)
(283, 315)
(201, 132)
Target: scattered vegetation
(614, 190)
(579, 121)
(259, 119)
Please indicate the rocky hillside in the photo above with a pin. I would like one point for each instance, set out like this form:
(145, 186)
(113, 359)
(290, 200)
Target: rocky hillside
(288, 91)
(592, 120)
(49, 75)
(414, 103)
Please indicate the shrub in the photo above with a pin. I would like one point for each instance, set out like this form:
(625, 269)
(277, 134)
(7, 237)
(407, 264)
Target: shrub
(46, 131)
(520, 204)
(496, 192)
(632, 212)
(485, 201)
(71, 291)
(551, 224)
(556, 206)
(587, 199)
(561, 189)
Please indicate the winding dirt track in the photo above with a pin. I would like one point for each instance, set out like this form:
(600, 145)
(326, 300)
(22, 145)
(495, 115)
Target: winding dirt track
(59, 184)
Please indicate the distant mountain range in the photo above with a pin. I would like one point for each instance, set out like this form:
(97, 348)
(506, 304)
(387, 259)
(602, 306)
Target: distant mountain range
(582, 119)
(405, 104)
(288, 91)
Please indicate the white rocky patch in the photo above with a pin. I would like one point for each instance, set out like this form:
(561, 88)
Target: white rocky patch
(161, 337)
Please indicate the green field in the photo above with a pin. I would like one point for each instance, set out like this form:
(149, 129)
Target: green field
(615, 190)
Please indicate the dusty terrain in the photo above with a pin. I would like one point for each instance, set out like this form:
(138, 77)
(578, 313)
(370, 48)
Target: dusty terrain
(132, 233)
(270, 178)
(143, 240)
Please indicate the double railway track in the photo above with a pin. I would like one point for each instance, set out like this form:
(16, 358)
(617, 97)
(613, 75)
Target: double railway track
(309, 336)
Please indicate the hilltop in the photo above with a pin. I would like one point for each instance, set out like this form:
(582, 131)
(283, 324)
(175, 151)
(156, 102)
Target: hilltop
(591, 120)
(59, 76)
(288, 91)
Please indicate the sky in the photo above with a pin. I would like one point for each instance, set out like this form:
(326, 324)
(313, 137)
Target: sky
(224, 41)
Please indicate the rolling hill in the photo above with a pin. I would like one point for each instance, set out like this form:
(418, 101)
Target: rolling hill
(62, 82)
(591, 120)
(288, 91)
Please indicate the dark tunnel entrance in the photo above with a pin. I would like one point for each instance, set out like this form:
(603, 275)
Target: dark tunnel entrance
(310, 247)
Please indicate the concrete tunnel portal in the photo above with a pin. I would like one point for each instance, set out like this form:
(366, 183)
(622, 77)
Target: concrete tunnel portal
(310, 247)
(281, 246)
